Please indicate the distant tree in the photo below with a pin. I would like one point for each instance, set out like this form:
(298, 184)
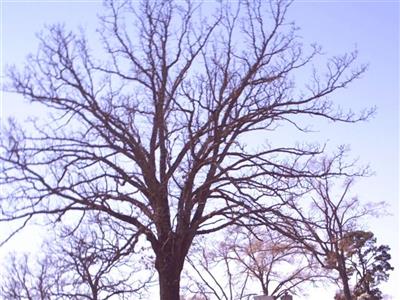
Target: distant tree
(370, 264)
(95, 264)
(250, 259)
(210, 273)
(277, 264)
(81, 265)
(329, 230)
(20, 281)
(151, 130)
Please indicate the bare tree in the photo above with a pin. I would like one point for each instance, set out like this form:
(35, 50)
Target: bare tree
(246, 259)
(19, 281)
(276, 263)
(152, 131)
(98, 265)
(330, 228)
(85, 264)
(210, 274)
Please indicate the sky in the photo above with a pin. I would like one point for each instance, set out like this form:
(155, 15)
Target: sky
(371, 27)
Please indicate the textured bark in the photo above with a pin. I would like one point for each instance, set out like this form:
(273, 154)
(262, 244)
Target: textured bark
(169, 264)
(344, 277)
(169, 279)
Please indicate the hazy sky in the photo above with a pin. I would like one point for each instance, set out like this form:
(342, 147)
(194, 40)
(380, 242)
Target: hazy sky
(372, 27)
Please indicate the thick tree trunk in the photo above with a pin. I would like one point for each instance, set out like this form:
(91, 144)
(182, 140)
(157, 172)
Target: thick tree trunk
(171, 250)
(169, 273)
(169, 285)
(169, 264)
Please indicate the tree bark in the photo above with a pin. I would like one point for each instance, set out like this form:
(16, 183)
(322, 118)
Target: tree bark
(345, 280)
(169, 285)
(169, 270)
(170, 258)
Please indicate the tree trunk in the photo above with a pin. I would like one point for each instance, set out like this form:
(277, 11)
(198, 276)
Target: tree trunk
(169, 273)
(346, 289)
(171, 251)
(169, 285)
(169, 264)
(345, 281)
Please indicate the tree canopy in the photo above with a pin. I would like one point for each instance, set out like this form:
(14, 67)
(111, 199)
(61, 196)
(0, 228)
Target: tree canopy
(151, 130)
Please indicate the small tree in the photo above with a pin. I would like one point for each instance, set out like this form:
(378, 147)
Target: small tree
(249, 259)
(22, 281)
(370, 264)
(329, 230)
(152, 131)
(85, 264)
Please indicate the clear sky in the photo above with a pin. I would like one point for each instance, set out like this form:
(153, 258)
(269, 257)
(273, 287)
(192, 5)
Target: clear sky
(339, 26)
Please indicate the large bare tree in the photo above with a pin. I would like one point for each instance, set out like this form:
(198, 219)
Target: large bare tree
(152, 129)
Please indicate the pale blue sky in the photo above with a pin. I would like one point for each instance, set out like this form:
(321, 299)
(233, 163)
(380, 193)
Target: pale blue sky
(339, 26)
